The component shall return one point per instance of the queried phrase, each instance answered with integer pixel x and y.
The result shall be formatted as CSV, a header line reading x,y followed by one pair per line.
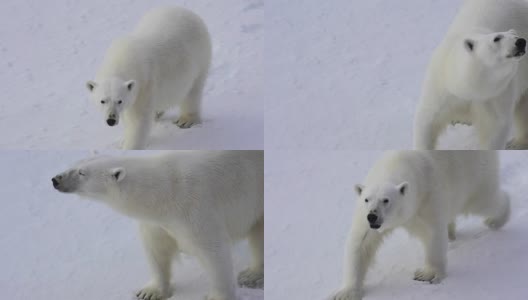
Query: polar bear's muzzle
x,y
64,183
520,48
112,119
374,221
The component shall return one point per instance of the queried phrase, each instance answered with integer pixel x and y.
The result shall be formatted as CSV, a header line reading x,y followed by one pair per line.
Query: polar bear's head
x,y
384,205
495,49
482,65
94,178
113,96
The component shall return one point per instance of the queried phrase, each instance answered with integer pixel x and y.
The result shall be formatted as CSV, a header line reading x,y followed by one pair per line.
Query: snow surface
x,y
50,49
58,246
310,196
348,74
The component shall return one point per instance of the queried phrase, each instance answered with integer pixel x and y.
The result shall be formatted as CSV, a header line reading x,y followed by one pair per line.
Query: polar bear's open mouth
x,y
375,226
517,53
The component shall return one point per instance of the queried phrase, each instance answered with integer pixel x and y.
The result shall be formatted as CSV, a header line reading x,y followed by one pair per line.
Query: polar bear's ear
x,y
359,188
130,85
469,45
402,187
117,174
91,85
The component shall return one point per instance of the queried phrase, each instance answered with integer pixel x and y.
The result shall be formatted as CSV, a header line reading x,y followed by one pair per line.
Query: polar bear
x,y
422,192
163,63
195,202
476,76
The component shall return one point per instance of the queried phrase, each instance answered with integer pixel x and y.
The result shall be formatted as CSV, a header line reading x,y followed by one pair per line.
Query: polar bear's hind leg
x,y
501,214
253,277
190,108
494,206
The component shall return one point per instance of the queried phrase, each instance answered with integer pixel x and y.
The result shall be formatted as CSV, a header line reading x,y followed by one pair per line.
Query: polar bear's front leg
x,y
137,129
493,122
425,136
435,242
493,130
427,127
520,142
361,247
160,248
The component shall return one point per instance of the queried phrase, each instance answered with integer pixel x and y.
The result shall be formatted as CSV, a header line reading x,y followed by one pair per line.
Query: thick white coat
x,y
196,202
437,187
483,92
167,58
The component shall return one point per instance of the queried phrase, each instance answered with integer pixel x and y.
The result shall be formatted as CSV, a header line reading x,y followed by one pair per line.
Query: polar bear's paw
x,y
493,223
429,275
517,145
251,278
151,292
347,294
187,120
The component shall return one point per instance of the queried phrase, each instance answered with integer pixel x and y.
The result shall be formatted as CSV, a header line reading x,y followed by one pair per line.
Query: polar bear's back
x,y
230,184
464,175
174,30
172,25
466,168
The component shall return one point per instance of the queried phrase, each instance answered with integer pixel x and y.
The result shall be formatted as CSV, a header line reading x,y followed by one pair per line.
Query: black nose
x,y
520,44
55,182
111,122
372,218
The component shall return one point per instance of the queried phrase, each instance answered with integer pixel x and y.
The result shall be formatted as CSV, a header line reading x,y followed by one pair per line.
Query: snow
x,y
49,50
58,246
349,73
310,197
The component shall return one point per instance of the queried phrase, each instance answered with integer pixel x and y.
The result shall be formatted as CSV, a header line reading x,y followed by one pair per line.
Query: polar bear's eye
x,y
120,101
385,201
497,39
366,200
81,173
103,102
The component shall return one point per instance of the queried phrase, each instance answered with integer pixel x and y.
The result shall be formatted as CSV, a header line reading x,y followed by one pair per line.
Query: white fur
x,y
480,87
163,63
437,186
196,202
